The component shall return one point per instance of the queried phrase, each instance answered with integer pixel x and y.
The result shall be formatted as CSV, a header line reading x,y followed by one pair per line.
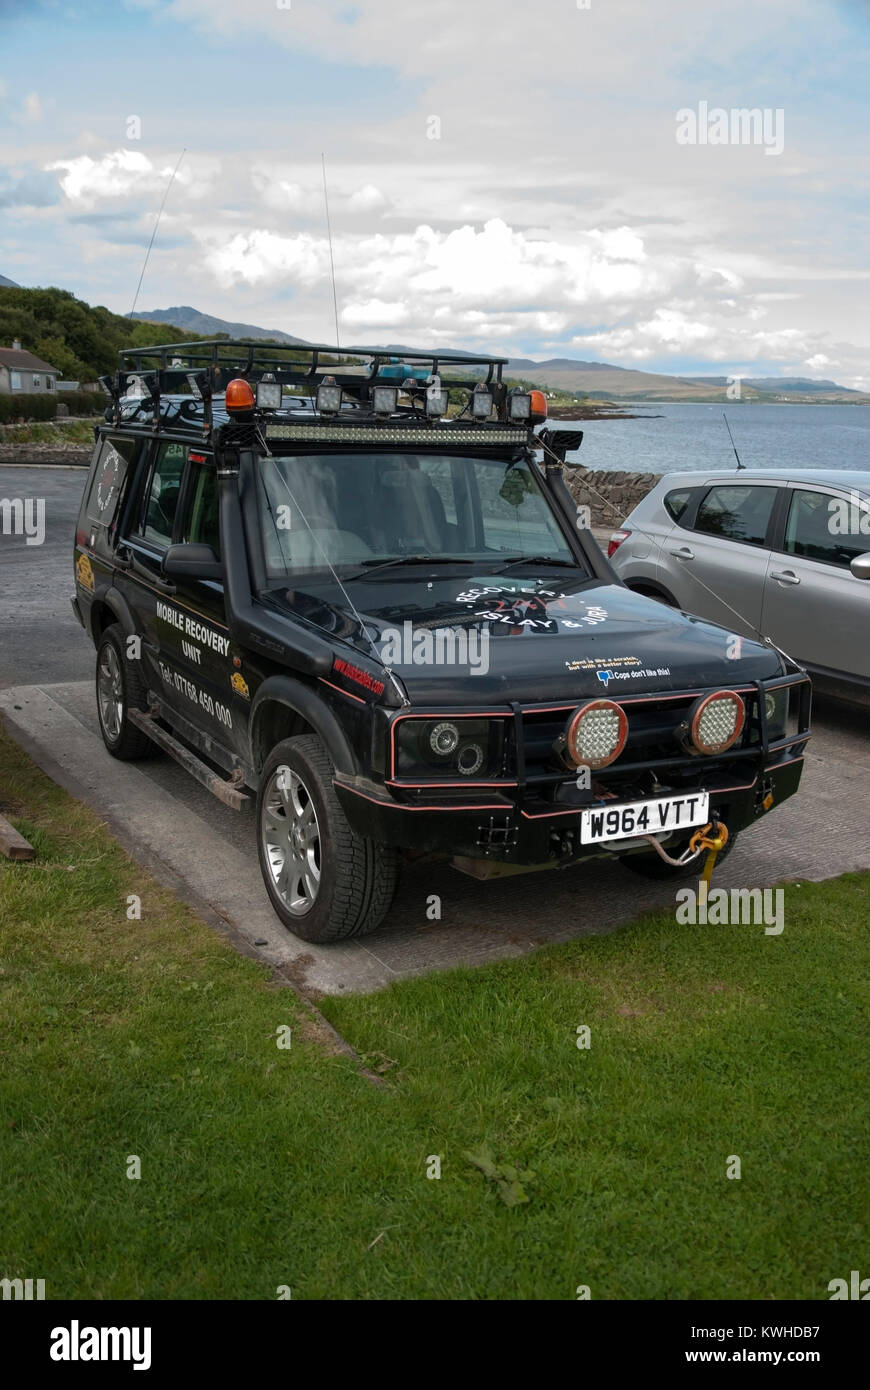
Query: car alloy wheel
x,y
291,839
110,692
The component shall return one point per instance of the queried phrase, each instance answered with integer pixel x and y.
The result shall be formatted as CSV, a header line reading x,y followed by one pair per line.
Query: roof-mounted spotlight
x,y
385,400
328,397
481,402
268,392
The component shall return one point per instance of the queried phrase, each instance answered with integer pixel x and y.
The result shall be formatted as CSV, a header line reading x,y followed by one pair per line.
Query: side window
x,y
677,502
160,502
737,513
106,483
832,530
201,523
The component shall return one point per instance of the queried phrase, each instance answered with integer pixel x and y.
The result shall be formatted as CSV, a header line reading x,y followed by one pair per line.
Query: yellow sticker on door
x,y
85,572
240,686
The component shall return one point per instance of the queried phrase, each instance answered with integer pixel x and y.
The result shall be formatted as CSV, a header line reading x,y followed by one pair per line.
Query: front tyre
x,y
325,881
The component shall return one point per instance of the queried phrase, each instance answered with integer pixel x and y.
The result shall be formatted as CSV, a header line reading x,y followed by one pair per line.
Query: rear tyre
x,y
120,688
326,882
652,866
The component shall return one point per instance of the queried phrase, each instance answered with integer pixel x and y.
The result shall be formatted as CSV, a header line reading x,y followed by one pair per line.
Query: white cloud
x,y
121,173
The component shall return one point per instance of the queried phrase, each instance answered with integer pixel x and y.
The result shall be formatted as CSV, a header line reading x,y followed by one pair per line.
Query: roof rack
x,y
194,374
224,358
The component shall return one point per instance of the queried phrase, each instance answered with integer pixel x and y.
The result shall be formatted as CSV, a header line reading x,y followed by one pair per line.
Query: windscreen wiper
x,y
537,560
372,566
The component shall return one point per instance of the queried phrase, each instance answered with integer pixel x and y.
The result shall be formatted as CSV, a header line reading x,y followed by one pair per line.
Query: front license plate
x,y
643,817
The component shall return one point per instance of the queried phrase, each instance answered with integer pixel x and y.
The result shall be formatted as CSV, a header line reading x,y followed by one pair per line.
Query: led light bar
x,y
382,434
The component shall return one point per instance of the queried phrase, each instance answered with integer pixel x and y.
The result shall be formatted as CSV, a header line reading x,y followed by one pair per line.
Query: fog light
x,y
436,402
444,739
596,734
716,722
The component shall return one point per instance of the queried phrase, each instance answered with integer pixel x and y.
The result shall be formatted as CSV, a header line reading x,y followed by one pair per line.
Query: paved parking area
x,y
207,852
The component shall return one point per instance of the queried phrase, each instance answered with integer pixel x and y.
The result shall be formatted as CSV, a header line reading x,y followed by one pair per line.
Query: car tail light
x,y
616,541
596,734
716,722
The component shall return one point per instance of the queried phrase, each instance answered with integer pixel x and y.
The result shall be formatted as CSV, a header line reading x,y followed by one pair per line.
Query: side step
x,y
224,791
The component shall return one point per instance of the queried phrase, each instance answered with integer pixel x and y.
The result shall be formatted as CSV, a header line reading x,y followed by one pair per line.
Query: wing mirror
x,y
193,561
860,566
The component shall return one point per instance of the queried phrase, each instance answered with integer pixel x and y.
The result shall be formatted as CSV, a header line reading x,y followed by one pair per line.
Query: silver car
x,y
781,553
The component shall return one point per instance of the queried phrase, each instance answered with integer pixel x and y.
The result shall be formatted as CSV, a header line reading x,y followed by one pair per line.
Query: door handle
x,y
684,553
785,576
123,557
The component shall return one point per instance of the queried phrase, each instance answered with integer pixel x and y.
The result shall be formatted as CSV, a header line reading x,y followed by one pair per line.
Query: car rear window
x,y
737,512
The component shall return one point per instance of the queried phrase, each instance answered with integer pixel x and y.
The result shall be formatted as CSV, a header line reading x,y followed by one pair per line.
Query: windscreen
x,y
338,510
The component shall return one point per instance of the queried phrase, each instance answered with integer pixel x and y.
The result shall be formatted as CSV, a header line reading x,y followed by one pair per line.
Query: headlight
x,y
430,750
444,739
596,734
776,712
716,722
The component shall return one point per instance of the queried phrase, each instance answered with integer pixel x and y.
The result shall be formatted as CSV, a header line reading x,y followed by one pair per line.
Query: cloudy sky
x,y
521,177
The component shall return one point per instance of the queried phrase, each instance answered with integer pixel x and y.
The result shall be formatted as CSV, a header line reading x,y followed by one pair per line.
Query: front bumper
x,y
533,820
499,830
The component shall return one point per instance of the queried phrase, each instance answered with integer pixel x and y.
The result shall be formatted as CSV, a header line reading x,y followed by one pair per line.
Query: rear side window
x,y
677,502
737,513
162,492
107,481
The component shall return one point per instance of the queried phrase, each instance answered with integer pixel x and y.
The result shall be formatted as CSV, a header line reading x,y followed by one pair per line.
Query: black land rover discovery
x,y
383,617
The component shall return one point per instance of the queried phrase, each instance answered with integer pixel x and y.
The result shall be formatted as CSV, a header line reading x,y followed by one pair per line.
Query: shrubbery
x,y
42,405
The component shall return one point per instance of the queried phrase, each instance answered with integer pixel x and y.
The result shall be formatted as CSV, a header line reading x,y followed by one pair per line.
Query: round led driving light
x,y
596,734
444,739
716,722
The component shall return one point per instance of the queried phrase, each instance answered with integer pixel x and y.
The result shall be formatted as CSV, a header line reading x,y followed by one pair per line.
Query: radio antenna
x,y
331,260
154,233
731,437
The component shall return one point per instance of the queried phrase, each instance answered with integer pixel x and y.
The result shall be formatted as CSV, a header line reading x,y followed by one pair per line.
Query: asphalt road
x,y
207,852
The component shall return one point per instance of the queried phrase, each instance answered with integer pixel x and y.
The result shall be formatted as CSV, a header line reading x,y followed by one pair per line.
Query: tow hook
x,y
703,840
700,841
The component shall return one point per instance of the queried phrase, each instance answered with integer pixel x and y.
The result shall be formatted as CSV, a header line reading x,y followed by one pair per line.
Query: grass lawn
x,y
263,1167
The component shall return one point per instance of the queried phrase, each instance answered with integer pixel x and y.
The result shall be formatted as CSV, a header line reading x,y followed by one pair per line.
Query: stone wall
x,y
79,454
610,496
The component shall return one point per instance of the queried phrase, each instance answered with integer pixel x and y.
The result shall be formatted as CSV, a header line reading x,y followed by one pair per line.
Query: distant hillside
x,y
603,380
10,284
791,384
207,326
81,341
